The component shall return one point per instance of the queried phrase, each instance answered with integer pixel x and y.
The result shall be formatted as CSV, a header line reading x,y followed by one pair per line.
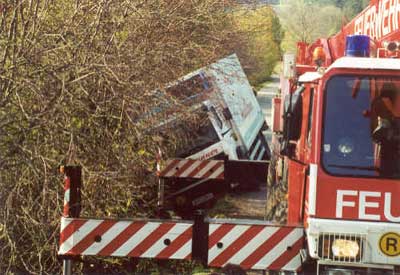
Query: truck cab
x,y
342,160
227,120
234,113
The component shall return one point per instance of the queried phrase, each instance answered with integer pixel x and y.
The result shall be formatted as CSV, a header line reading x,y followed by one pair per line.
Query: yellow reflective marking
x,y
389,244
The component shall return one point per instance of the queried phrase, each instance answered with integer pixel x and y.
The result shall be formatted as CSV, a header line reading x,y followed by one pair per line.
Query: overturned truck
x,y
229,126
232,120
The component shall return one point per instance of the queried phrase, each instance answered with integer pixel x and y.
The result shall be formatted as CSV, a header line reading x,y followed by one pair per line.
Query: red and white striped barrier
x,y
67,187
158,161
197,169
141,239
261,247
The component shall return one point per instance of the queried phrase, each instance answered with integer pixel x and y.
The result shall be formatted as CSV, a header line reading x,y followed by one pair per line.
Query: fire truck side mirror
x,y
289,65
292,119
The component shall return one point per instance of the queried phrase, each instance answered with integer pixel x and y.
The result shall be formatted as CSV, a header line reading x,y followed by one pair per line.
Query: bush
x,y
261,50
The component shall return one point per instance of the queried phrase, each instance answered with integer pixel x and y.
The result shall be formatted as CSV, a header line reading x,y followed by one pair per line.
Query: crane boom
x,y
380,21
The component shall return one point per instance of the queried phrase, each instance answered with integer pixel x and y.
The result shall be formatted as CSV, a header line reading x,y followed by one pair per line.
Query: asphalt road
x,y
265,96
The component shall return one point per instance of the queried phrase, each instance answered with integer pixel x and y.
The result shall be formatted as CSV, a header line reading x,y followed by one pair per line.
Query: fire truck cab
x,y
339,143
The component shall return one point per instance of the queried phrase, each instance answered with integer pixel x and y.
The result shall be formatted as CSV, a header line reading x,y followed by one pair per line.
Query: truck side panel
x,y
239,98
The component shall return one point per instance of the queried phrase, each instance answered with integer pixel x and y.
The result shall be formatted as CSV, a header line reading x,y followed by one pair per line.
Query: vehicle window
x,y
189,90
293,114
353,144
200,136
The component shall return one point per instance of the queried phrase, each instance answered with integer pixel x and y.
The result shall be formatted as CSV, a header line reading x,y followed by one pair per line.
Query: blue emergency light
x,y
357,46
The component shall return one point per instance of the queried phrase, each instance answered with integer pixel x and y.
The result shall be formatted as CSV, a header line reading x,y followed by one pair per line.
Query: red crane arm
x,y
380,20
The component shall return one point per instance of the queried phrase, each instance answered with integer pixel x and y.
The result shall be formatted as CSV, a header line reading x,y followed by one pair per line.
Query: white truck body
x,y
233,111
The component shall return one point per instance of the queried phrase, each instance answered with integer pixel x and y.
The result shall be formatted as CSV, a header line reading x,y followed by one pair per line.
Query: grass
x,y
240,206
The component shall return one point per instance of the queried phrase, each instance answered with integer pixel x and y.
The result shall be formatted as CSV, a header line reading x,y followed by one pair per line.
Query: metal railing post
x,y
200,238
67,267
72,201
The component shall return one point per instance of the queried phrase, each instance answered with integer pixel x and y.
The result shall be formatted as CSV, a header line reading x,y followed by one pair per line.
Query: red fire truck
x,y
336,146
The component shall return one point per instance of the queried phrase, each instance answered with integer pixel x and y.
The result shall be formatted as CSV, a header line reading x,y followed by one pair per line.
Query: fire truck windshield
x,y
361,132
